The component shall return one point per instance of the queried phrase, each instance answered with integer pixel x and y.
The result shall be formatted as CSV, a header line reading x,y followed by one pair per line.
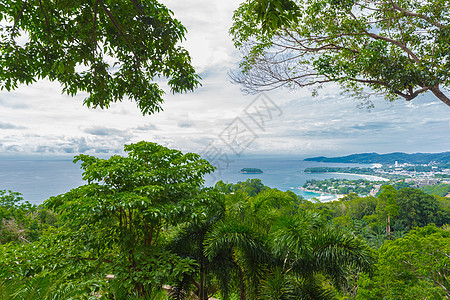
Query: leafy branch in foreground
x,y
399,49
110,49
117,223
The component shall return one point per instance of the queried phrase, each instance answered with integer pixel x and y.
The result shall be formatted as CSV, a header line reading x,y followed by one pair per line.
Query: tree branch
x,y
16,20
46,21
413,14
440,95
116,25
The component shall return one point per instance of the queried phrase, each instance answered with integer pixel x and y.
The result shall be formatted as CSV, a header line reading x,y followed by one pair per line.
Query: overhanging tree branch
x,y
361,44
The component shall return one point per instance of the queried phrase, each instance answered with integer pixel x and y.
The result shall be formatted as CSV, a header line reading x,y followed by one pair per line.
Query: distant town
x,y
432,177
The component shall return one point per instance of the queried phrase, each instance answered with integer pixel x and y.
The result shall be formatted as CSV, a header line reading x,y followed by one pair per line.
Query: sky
x,y
218,118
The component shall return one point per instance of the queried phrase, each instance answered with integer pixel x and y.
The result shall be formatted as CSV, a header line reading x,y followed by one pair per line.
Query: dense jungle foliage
x,y
144,227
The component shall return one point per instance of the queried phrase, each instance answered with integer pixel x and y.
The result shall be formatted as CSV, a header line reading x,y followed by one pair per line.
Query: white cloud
x,y
38,119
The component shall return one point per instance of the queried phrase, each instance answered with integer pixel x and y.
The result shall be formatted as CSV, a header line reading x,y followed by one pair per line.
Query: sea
x,y
39,179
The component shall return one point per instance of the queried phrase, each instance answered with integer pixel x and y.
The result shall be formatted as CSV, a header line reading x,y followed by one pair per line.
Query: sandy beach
x,y
368,177
324,197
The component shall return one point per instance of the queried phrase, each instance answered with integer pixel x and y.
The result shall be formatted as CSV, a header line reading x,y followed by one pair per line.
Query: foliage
x,y
108,48
419,209
117,222
396,48
387,206
280,251
188,241
146,219
413,267
438,189
20,221
251,187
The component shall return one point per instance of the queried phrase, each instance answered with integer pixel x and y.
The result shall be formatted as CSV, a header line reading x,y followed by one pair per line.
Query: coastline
x,y
326,197
368,177
323,196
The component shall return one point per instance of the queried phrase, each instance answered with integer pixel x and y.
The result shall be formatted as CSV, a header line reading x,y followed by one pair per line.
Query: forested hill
x,y
389,158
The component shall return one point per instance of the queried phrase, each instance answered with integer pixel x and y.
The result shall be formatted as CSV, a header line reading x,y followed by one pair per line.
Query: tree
x,y
396,48
110,49
387,206
188,241
21,221
117,222
281,253
418,209
413,267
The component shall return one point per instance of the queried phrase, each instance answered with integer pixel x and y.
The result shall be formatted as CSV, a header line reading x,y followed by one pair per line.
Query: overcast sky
x,y
217,117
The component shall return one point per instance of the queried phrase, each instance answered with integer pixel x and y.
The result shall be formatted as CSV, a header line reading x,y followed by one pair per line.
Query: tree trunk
x,y
202,294
440,95
242,295
388,227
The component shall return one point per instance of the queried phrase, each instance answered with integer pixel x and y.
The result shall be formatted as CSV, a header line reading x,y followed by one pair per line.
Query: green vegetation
x,y
116,224
413,267
343,186
108,49
251,170
438,190
146,219
21,221
356,45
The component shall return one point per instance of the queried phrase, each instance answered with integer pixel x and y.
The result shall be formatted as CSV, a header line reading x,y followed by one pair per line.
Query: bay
x,y
39,179
283,173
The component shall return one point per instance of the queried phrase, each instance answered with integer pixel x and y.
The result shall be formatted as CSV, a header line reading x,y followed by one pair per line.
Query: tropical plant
x,y
117,222
387,206
413,267
283,252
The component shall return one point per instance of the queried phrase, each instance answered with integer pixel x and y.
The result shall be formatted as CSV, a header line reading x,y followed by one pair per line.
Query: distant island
x,y
251,171
387,159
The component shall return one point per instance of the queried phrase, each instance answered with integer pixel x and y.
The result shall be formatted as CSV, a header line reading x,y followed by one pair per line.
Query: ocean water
x,y
283,173
39,179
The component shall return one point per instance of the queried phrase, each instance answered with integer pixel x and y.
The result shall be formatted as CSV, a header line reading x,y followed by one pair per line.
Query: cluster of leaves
x,y
108,48
262,247
396,48
117,224
21,221
413,267
391,215
438,189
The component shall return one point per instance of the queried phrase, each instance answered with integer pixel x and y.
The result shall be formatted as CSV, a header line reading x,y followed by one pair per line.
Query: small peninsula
x,y
251,171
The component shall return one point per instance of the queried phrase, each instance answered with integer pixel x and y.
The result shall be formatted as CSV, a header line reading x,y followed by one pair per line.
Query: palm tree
x,y
243,233
289,255
188,242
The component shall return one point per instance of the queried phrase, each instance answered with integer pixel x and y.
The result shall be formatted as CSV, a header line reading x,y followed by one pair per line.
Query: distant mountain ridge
x,y
387,159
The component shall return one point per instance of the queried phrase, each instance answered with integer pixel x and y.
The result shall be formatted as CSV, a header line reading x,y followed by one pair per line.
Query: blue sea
x,y
39,179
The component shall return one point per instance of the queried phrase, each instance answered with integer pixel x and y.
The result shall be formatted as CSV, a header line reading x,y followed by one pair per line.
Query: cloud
x,y
371,126
38,119
104,131
146,127
5,125
13,102
186,124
